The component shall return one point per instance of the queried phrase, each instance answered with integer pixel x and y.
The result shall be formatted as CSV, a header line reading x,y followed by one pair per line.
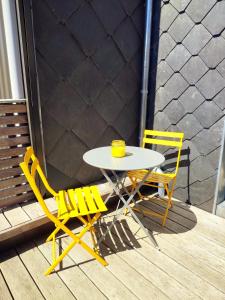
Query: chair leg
x,y
93,253
92,231
134,184
169,202
76,239
56,230
83,244
166,214
172,189
60,258
53,249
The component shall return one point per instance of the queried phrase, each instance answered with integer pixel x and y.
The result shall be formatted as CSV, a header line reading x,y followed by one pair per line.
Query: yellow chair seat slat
x,y
62,207
79,202
98,199
89,200
73,201
82,206
153,177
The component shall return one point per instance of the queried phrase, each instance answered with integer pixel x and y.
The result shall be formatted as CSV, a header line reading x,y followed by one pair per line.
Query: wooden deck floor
x,y
190,265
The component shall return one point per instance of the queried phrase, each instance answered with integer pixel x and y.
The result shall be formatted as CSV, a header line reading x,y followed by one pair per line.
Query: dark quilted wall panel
x,y
190,89
89,56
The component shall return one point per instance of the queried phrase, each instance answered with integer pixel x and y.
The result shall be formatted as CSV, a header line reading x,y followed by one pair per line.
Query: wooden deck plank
x,y
212,228
4,291
15,215
213,219
71,274
110,286
4,224
18,279
184,275
198,249
131,278
52,287
191,264
186,259
180,215
160,279
207,206
32,209
33,222
199,227
51,204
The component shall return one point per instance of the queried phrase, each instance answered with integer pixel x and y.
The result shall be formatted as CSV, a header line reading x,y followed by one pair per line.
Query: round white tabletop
x,y
136,158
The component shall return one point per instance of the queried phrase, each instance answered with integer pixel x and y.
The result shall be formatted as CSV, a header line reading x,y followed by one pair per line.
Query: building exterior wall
x,y
190,89
89,57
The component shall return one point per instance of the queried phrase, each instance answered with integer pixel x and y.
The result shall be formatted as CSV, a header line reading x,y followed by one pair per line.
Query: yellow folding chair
x,y
74,203
167,180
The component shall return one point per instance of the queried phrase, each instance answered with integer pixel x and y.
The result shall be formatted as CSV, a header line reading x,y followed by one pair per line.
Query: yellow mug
x,y
118,148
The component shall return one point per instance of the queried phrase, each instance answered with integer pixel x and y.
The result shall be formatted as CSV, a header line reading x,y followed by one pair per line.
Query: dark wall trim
x,y
27,35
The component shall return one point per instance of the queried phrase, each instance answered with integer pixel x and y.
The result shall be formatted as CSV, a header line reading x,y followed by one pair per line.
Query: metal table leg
x,y
126,203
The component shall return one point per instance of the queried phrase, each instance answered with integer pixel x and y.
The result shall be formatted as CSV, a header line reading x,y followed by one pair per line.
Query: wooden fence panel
x,y
14,138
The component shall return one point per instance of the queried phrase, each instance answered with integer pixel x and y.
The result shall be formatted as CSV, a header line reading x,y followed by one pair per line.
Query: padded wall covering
x,y
89,57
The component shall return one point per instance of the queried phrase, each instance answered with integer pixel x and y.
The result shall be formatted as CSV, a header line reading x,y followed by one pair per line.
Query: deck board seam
x,y
15,249
136,269
169,229
202,278
55,272
77,266
8,288
121,281
157,268
199,233
36,244
183,266
30,274
108,271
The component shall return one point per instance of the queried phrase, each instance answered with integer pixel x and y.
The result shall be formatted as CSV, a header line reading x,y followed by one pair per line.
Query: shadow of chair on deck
x,y
124,235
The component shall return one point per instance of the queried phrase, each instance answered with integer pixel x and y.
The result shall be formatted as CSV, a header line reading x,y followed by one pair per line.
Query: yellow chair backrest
x,y
165,138
31,167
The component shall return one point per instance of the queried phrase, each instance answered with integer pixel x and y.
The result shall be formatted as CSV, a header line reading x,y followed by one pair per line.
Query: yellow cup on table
x,y
118,148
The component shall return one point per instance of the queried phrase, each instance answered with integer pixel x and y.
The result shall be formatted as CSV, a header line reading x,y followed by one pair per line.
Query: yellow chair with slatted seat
x,y
84,204
172,140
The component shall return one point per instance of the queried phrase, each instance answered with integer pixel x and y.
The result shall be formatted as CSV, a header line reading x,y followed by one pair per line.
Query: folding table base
x,y
117,188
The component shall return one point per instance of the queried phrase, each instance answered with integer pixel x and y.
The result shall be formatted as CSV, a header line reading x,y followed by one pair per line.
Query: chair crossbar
x,y
164,133
163,142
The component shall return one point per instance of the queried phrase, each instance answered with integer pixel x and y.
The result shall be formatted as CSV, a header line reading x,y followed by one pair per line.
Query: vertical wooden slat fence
x,y
14,138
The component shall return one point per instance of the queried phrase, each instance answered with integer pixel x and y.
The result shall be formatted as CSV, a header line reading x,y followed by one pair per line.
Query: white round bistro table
x,y
136,158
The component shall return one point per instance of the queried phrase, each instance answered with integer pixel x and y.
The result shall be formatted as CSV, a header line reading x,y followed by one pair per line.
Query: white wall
x,y
11,80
